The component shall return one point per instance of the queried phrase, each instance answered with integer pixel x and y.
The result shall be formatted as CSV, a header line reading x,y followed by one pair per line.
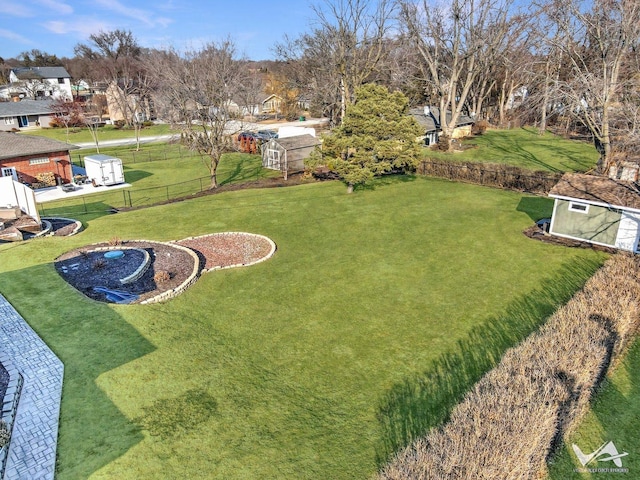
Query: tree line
x,y
571,65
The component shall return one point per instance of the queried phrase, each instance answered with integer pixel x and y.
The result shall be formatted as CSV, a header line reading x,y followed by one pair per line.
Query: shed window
x,y
579,207
38,161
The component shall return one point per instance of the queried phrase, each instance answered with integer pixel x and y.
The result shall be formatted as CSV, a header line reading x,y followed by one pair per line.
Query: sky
x,y
56,26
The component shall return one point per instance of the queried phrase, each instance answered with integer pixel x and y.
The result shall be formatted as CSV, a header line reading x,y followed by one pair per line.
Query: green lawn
x,y
291,369
108,132
615,417
523,147
158,172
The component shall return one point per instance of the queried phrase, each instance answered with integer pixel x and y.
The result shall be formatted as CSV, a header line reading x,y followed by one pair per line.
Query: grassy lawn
x,y
157,173
523,147
287,369
108,132
615,417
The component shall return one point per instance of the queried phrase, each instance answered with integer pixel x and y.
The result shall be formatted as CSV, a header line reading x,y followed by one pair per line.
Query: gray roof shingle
x,y
592,188
17,145
25,107
31,73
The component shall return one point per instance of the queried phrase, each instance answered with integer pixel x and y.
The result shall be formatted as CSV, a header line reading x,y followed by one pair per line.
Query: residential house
x,y
288,154
599,210
137,103
272,104
38,82
429,119
23,157
19,115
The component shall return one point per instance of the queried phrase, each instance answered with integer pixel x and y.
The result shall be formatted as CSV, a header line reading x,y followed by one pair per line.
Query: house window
x,y
61,80
578,207
9,121
38,161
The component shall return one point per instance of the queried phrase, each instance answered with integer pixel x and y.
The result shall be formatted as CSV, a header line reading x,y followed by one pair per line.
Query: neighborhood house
x,y
23,114
429,119
598,210
25,157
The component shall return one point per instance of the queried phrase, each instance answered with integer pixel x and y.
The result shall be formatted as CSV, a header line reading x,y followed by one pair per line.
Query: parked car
x,y
267,134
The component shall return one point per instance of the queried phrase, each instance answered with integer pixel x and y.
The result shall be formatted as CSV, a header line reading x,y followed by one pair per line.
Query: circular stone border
x,y
262,259
77,228
144,266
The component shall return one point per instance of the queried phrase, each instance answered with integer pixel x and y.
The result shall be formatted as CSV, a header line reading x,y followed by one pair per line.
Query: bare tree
x,y
195,92
455,44
115,59
345,49
598,38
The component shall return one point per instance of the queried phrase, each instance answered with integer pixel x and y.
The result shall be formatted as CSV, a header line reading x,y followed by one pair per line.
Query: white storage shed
x,y
104,169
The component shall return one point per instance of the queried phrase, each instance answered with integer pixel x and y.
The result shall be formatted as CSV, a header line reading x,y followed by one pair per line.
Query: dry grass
x,y
510,423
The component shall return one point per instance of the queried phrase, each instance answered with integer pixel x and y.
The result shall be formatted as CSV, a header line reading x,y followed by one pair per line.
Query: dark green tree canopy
x,y
377,136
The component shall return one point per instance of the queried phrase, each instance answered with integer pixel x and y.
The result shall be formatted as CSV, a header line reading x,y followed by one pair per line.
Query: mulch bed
x,y
537,233
86,267
61,227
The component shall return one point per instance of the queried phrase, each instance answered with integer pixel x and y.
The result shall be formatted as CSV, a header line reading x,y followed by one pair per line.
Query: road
x,y
232,128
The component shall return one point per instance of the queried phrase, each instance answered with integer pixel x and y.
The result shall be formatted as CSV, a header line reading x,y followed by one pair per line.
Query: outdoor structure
x,y
429,119
104,169
23,157
18,210
38,82
288,154
598,210
19,115
137,104
271,104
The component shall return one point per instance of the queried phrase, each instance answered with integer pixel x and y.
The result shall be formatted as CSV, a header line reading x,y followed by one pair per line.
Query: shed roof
x,y
298,141
18,145
25,107
595,189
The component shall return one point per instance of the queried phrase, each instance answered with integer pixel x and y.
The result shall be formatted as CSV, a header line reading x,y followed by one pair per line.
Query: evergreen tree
x,y
377,136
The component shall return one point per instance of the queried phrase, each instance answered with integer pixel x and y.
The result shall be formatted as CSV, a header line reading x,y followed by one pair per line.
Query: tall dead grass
x,y
510,423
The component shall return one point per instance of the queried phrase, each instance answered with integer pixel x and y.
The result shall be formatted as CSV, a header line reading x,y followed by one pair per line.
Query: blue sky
x,y
56,26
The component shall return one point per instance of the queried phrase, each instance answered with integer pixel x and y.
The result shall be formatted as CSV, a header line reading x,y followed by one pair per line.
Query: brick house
x,y
24,156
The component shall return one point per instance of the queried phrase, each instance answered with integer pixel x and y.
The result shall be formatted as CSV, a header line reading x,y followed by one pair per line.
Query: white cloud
x,y
57,6
14,9
82,27
8,34
115,6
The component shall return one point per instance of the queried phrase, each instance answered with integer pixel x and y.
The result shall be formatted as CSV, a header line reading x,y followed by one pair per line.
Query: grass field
x,y
157,173
108,132
523,147
294,368
615,417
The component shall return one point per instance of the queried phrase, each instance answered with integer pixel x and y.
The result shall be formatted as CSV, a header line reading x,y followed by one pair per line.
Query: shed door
x,y
628,232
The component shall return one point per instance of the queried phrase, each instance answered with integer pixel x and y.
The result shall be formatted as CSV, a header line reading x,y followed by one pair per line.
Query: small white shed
x,y
104,169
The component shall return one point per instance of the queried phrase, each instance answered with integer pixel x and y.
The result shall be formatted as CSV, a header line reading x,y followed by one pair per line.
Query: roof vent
x,y
427,110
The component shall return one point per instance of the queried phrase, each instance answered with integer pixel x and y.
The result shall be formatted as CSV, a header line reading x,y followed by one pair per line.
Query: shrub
x,y
115,241
99,264
161,276
510,423
480,127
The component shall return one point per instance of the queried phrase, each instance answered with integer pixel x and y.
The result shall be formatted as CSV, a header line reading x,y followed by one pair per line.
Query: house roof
x,y
298,141
36,73
17,145
25,107
431,121
599,190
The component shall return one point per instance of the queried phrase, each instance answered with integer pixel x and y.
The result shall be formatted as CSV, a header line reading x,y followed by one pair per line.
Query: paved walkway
x,y
32,451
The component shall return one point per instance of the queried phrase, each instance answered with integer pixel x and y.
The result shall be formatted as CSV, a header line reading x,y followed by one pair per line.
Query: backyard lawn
x,y
291,369
523,147
108,132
